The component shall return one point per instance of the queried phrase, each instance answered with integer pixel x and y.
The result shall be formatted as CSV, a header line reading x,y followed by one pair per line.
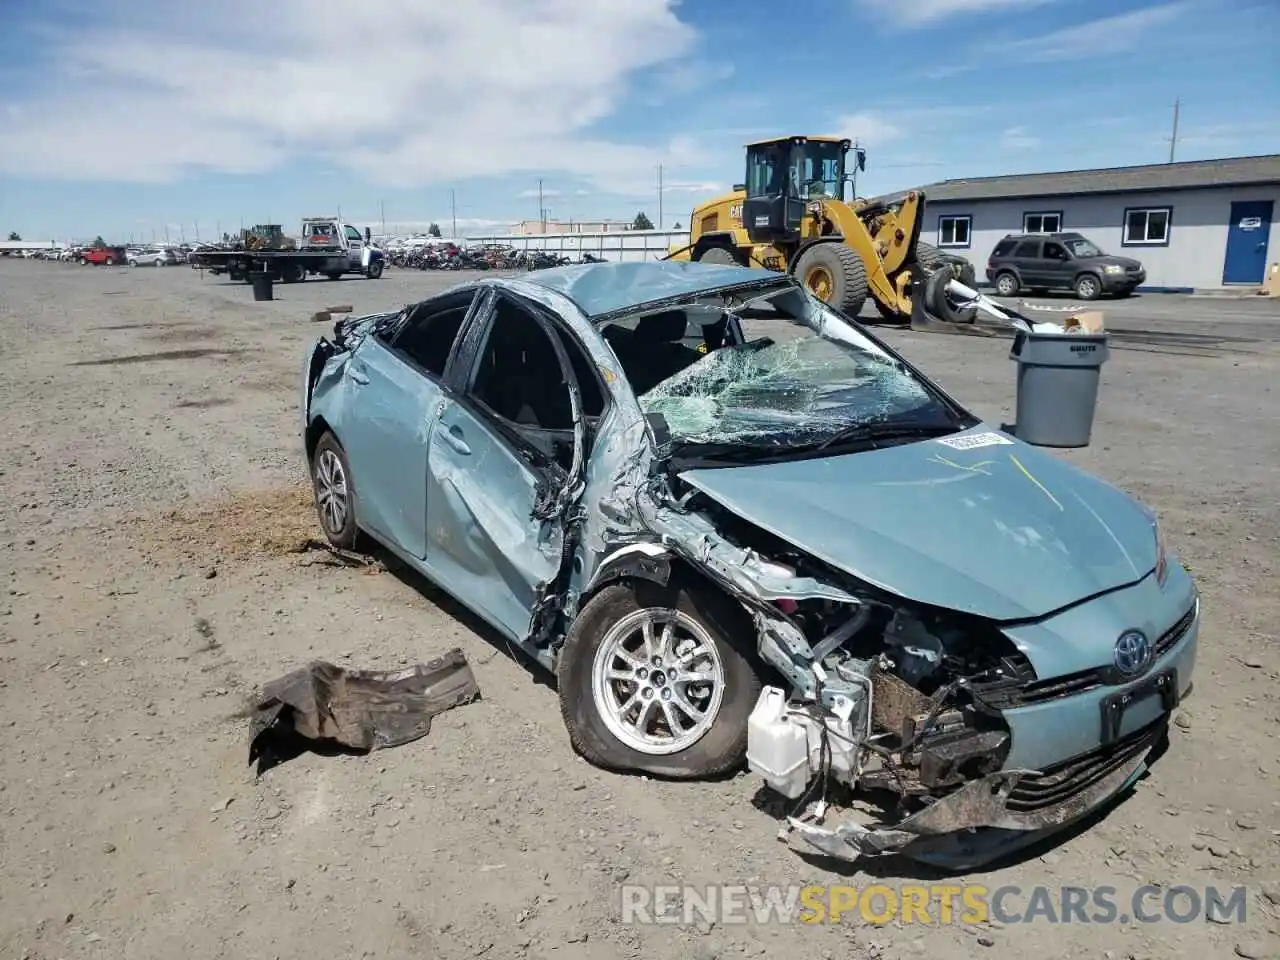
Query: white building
x,y
1195,225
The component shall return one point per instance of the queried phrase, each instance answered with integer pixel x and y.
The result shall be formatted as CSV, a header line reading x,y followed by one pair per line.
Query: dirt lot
x,y
153,576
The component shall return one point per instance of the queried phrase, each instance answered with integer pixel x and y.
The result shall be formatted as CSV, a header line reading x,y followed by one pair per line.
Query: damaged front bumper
x,y
991,815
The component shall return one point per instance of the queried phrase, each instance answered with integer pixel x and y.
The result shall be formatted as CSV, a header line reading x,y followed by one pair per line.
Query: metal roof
x,y
1233,171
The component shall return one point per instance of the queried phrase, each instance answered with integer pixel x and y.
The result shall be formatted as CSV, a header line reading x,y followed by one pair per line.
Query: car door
x,y
1027,258
355,246
1056,265
504,451
395,380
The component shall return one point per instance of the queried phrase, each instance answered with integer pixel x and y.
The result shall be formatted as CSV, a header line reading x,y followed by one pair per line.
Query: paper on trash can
x,y
1088,321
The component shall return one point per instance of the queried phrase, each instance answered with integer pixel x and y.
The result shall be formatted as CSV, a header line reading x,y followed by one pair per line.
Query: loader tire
x,y
833,273
720,255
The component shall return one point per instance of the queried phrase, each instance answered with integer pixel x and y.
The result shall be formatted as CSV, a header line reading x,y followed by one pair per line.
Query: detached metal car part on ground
x,y
737,525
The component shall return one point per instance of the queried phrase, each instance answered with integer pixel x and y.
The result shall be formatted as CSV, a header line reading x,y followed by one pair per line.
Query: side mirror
x,y
739,188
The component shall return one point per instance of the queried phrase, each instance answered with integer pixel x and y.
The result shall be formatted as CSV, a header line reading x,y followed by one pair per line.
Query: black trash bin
x,y
1058,376
261,280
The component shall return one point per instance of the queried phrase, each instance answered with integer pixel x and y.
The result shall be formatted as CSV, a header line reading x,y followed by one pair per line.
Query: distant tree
x,y
14,237
677,226
642,222
434,230
99,243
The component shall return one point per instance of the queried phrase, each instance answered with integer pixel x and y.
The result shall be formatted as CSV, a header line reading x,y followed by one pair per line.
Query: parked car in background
x,y
1061,261
104,256
672,483
153,257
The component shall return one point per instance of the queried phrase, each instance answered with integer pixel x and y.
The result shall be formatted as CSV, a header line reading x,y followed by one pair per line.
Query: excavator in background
x,y
791,215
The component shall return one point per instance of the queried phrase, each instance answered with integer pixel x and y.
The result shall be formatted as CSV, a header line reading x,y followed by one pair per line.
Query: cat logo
x,y
702,347
735,212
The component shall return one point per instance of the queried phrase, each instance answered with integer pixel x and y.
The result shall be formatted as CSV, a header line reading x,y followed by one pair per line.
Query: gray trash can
x,y
261,281
1058,377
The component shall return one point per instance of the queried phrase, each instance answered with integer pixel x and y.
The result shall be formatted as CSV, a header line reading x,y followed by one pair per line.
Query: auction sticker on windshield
x,y
974,440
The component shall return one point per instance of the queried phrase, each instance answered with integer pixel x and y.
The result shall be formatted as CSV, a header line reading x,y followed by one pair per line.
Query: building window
x,y
1042,222
954,231
1147,226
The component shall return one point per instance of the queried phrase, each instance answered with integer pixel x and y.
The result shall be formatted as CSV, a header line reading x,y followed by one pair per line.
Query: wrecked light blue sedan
x,y
738,526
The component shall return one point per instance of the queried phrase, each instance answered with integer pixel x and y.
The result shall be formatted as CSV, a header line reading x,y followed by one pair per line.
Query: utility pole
x,y
197,231
339,214
542,211
1173,140
659,224
453,212
382,215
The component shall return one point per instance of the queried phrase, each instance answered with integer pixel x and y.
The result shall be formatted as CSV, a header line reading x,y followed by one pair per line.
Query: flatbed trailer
x,y
328,249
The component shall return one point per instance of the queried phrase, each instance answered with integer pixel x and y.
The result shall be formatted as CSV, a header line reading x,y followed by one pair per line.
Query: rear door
x,y
395,381
504,450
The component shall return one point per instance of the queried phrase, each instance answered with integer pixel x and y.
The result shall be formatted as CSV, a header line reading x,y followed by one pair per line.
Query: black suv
x,y
1060,261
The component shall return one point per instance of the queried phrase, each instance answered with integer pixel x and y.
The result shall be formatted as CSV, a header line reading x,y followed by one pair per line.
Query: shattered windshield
x,y
1084,248
777,374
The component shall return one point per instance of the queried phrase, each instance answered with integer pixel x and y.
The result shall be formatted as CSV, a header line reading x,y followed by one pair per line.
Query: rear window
x,y
1003,247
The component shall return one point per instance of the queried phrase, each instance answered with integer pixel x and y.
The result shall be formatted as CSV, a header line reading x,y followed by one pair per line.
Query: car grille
x,y
1028,690
1064,780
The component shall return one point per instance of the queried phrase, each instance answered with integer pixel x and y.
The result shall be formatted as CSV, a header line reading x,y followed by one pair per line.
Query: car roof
x,y
1065,235
600,289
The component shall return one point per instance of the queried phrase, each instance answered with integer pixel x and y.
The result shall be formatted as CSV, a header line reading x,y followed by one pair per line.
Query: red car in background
x,y
107,256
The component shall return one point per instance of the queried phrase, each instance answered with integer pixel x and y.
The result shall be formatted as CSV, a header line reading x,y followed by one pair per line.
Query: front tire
x,y
375,269
1088,287
650,681
833,273
335,494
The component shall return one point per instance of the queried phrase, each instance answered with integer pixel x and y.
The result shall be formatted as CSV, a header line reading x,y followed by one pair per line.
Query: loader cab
x,y
782,175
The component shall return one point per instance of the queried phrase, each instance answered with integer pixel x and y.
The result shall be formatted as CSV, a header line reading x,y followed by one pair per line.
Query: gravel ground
x,y
156,571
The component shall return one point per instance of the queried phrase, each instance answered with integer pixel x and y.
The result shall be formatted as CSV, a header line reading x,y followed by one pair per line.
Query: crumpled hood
x,y
976,521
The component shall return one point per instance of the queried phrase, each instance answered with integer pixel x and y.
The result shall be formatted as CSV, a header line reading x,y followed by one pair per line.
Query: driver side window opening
x,y
517,381
426,336
354,235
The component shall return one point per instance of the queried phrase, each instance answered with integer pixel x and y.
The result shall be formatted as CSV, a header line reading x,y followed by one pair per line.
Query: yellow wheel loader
x,y
790,215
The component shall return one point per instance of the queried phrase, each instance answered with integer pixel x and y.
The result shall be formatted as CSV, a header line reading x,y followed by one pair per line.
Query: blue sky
x,y
183,115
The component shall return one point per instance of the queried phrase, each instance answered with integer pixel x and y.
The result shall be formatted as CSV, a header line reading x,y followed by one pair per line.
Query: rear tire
x,y
333,275
833,273
928,256
1007,285
294,273
594,678
720,255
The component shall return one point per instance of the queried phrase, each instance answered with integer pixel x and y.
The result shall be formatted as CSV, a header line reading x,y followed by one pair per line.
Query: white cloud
x,y
869,129
407,93
1095,38
1017,138
920,13
546,194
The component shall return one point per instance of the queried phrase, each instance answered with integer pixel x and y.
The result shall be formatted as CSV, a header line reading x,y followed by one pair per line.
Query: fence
x,y
628,245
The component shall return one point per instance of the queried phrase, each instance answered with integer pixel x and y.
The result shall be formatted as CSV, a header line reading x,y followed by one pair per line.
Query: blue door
x,y
1247,242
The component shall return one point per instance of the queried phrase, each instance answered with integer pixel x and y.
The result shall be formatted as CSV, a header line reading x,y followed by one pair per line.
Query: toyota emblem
x,y
1133,653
